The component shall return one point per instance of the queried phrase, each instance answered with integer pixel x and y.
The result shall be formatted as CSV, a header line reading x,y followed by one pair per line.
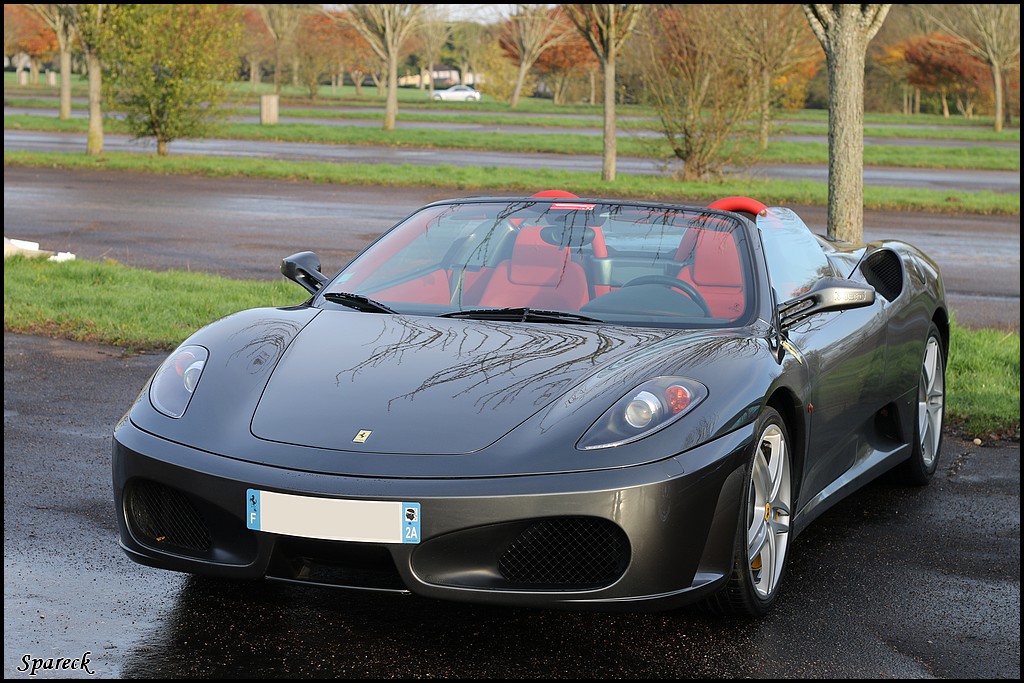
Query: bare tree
x,y
526,34
283,23
775,40
989,32
606,28
844,32
58,18
434,35
468,40
386,28
699,90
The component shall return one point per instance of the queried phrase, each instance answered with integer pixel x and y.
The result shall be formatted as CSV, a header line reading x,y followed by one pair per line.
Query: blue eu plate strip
x,y
252,509
410,522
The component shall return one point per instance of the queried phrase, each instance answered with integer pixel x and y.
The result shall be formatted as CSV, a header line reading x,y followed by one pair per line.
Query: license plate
x,y
332,519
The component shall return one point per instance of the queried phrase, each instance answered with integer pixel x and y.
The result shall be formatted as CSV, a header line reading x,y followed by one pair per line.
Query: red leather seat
x,y
539,275
716,272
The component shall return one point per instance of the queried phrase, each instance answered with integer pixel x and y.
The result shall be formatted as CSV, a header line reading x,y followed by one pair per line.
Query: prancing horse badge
x,y
362,436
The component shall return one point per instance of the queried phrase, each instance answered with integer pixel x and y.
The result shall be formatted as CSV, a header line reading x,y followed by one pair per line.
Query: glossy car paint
x,y
483,448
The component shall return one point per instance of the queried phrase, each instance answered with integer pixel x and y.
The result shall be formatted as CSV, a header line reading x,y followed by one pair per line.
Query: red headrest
x,y
534,261
716,260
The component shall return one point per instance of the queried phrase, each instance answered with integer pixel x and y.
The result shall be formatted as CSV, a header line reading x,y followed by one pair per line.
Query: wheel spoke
x,y
769,571
762,478
779,521
776,463
757,537
931,358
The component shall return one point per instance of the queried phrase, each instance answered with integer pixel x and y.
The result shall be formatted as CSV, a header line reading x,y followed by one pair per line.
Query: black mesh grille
x,y
883,272
572,551
161,516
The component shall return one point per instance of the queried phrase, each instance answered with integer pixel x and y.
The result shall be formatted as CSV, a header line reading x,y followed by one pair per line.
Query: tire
x,y
763,529
929,414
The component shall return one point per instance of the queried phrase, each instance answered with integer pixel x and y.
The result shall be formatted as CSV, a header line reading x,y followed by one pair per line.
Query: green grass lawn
x,y
330,111
784,152
107,303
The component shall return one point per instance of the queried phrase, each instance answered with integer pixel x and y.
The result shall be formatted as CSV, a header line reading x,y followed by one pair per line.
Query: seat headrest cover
x,y
534,261
716,260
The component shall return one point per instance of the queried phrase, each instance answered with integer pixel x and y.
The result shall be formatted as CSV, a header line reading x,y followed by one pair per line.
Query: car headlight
x,y
176,380
650,407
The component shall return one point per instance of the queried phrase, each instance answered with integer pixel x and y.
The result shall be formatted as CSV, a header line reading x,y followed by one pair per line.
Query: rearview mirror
x,y
304,268
828,294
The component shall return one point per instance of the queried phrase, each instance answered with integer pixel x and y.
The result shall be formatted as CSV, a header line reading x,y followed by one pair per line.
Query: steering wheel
x,y
682,285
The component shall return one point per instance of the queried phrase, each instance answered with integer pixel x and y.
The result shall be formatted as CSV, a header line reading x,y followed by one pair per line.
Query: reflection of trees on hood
x,y
266,340
539,356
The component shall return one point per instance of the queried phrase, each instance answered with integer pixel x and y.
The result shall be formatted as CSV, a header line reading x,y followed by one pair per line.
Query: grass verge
x,y
977,157
501,180
135,309
983,383
328,112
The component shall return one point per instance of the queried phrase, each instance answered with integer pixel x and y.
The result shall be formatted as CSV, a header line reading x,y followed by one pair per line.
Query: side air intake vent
x,y
884,272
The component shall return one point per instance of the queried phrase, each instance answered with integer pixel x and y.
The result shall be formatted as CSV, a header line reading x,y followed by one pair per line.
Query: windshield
x,y
618,263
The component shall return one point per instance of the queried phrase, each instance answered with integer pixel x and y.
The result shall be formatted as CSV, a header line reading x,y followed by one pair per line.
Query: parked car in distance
x,y
457,93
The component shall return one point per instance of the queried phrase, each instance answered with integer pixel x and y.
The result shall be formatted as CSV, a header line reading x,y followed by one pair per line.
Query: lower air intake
x,y
570,552
160,516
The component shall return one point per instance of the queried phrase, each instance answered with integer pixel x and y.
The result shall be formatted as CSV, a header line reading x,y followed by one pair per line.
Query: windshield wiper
x,y
358,302
522,314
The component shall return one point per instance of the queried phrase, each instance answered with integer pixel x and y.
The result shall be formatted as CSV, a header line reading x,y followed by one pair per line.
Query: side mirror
x,y
828,294
304,268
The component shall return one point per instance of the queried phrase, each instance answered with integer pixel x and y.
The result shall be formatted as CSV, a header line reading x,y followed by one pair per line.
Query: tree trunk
x,y
608,165
765,109
593,87
945,104
917,101
161,148
33,70
65,82
94,140
391,107
846,136
278,60
520,79
997,89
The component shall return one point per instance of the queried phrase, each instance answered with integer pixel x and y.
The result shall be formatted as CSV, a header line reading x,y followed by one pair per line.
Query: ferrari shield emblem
x,y
362,436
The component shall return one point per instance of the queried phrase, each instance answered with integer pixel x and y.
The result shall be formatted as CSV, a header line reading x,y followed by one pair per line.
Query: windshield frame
x,y
744,231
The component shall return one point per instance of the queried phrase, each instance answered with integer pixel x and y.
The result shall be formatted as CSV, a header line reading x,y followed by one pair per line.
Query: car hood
x,y
422,385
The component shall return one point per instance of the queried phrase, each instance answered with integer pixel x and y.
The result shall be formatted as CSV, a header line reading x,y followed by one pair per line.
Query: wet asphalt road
x,y
891,583
242,228
936,179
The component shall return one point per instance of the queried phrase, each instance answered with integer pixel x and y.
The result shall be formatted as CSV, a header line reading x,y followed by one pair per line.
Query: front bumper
x,y
646,537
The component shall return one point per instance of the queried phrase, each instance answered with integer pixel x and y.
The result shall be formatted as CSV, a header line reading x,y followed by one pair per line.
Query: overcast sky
x,y
482,13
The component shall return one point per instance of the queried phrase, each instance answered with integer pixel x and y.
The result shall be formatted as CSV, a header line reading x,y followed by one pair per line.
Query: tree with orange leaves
x,y
26,33
256,44
566,62
319,44
942,64
526,35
